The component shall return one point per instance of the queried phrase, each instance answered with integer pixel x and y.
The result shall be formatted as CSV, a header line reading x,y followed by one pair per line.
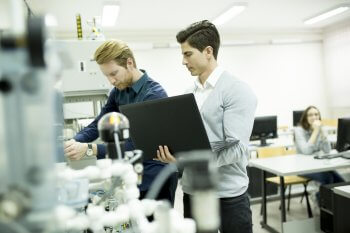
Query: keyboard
x,y
344,154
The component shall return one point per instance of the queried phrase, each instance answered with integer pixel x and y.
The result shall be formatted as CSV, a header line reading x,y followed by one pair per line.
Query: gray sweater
x,y
228,116
302,137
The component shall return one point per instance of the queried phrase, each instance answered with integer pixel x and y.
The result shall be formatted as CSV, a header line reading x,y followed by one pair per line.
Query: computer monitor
x,y
264,127
343,137
296,117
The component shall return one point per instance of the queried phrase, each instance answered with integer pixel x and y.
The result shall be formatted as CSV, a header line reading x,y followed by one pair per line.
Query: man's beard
x,y
125,84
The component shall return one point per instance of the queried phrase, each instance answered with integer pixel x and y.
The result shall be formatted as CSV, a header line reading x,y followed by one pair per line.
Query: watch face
x,y
89,152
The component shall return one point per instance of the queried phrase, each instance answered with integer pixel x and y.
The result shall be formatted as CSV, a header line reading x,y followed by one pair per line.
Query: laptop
x,y
172,121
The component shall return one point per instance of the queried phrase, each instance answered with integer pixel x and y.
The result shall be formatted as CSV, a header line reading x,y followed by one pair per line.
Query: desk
x,y
291,165
343,191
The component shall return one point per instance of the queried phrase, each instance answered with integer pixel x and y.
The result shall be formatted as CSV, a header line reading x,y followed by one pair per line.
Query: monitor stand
x,y
263,142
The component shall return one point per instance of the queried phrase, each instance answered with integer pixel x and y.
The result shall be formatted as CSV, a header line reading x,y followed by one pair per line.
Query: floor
x,y
297,211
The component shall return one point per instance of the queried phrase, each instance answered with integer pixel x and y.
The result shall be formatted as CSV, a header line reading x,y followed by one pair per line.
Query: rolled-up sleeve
x,y
239,105
325,145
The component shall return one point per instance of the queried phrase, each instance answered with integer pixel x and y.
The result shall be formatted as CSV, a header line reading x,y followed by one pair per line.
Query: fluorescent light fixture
x,y
327,15
110,14
140,45
229,14
238,42
286,41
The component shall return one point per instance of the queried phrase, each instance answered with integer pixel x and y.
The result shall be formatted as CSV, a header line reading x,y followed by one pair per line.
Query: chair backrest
x,y
265,152
330,122
283,127
290,151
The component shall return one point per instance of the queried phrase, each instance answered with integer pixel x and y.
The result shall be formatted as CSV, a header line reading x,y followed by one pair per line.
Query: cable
x,y
160,180
30,12
117,146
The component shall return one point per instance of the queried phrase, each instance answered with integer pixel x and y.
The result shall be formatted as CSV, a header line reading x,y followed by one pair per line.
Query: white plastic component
x,y
126,195
149,206
95,211
130,178
117,168
129,154
208,220
105,168
187,225
132,193
121,215
104,163
80,222
63,213
92,172
126,133
74,192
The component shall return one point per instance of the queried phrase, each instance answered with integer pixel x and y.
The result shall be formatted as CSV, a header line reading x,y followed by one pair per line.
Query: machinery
x,y
27,194
38,194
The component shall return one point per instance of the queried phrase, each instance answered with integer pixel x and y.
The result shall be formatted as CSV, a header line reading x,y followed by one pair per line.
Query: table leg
x,y
283,204
264,209
307,201
263,193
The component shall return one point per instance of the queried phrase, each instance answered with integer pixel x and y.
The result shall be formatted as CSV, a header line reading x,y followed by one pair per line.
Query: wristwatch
x,y
89,151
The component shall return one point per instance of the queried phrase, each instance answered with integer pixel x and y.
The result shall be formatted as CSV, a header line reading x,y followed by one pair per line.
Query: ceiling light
x,y
229,14
327,15
140,46
110,14
286,41
238,42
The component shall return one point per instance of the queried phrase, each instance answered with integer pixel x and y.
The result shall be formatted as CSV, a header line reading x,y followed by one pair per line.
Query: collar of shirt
x,y
136,87
212,79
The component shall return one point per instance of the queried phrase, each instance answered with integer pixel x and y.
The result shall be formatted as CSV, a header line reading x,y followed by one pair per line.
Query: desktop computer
x,y
264,127
343,135
343,141
327,206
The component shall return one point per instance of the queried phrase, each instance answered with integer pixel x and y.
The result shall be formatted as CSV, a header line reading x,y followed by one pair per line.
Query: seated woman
x,y
310,139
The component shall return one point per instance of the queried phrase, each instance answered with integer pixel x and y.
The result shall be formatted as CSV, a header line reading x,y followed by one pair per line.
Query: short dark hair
x,y
199,35
303,119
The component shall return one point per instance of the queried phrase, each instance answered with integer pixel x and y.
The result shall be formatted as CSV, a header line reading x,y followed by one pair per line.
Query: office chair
x,y
330,122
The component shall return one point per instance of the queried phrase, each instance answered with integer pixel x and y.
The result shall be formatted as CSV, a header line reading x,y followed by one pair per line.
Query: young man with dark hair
x,y
227,106
131,85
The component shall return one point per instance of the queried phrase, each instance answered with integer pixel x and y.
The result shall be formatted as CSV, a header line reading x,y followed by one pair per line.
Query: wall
x,y
284,77
337,68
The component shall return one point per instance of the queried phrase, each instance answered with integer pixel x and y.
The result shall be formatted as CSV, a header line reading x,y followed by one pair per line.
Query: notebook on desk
x,y
173,121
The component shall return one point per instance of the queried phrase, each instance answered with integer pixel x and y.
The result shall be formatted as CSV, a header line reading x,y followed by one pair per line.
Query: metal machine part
x,y
203,178
114,130
27,197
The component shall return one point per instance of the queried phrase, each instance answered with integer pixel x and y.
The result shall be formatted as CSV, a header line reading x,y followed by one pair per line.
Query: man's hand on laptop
x,y
75,150
164,155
